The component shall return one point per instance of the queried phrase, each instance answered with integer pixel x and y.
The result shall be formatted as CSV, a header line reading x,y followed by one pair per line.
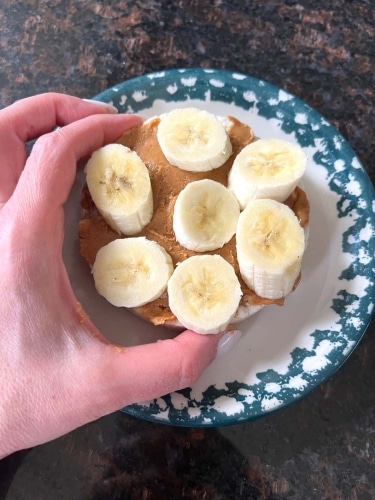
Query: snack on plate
x,y
190,221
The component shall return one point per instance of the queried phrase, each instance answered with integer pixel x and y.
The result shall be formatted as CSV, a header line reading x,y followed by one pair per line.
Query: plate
x,y
284,352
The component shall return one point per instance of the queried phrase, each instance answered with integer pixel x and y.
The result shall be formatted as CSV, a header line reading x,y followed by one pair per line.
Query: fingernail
x,y
227,342
109,107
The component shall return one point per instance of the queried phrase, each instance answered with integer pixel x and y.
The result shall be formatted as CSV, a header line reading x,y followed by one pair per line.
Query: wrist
x,y
6,447
9,423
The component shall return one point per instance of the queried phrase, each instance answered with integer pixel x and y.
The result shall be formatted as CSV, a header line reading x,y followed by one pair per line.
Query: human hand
x,y
57,371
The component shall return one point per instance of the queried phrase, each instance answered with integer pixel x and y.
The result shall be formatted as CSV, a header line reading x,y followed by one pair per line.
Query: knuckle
x,y
53,143
189,372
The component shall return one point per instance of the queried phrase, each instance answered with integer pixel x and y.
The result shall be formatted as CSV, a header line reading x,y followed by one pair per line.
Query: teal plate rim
x,y
345,177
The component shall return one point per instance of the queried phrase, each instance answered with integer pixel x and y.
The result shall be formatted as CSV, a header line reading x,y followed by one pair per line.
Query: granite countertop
x,y
322,447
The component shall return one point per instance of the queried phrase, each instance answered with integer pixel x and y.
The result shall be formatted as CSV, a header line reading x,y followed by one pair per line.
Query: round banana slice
x,y
267,168
131,272
120,186
205,216
270,246
193,140
204,293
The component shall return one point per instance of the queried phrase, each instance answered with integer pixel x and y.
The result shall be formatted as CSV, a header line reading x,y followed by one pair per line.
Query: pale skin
x,y
57,371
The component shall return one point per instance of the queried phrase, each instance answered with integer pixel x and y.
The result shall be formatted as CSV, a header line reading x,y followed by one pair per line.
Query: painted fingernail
x,y
227,342
109,107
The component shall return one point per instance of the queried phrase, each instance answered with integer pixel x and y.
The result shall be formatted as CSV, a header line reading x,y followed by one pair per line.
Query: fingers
x,y
122,376
51,168
31,117
28,119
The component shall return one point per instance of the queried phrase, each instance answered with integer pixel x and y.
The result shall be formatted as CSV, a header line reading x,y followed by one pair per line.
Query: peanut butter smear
x,y
167,181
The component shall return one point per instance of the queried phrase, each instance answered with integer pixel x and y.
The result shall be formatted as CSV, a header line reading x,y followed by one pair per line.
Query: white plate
x,y
286,351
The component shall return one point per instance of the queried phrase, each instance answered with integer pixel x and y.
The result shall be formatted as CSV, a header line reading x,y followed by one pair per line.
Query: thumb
x,y
127,375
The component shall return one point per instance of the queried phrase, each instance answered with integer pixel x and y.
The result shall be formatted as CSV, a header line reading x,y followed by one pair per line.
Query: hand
x,y
57,371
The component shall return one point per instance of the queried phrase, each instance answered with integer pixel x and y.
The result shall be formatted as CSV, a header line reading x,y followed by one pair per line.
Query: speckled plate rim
x,y
318,349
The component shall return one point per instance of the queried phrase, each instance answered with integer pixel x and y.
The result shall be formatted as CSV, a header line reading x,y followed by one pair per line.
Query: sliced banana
x,y
204,293
131,272
270,246
193,139
205,215
119,184
267,168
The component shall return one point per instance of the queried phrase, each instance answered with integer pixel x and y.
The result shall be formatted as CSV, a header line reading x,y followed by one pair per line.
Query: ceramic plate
x,y
286,351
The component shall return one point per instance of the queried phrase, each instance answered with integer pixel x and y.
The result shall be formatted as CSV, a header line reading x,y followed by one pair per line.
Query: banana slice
x,y
131,272
205,215
204,293
119,184
193,140
267,168
270,246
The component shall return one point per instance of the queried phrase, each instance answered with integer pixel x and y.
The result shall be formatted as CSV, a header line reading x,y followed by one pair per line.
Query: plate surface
x,y
286,351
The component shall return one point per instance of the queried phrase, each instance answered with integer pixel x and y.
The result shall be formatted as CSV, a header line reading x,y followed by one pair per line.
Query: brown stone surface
x,y
322,447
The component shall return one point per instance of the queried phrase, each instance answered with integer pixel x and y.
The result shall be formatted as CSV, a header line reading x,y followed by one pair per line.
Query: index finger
x,y
29,118
48,176
33,116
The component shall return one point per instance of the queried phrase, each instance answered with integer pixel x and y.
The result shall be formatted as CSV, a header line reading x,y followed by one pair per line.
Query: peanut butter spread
x,y
167,181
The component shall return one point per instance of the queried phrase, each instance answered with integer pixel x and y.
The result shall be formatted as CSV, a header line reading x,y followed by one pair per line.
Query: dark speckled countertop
x,y
322,447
